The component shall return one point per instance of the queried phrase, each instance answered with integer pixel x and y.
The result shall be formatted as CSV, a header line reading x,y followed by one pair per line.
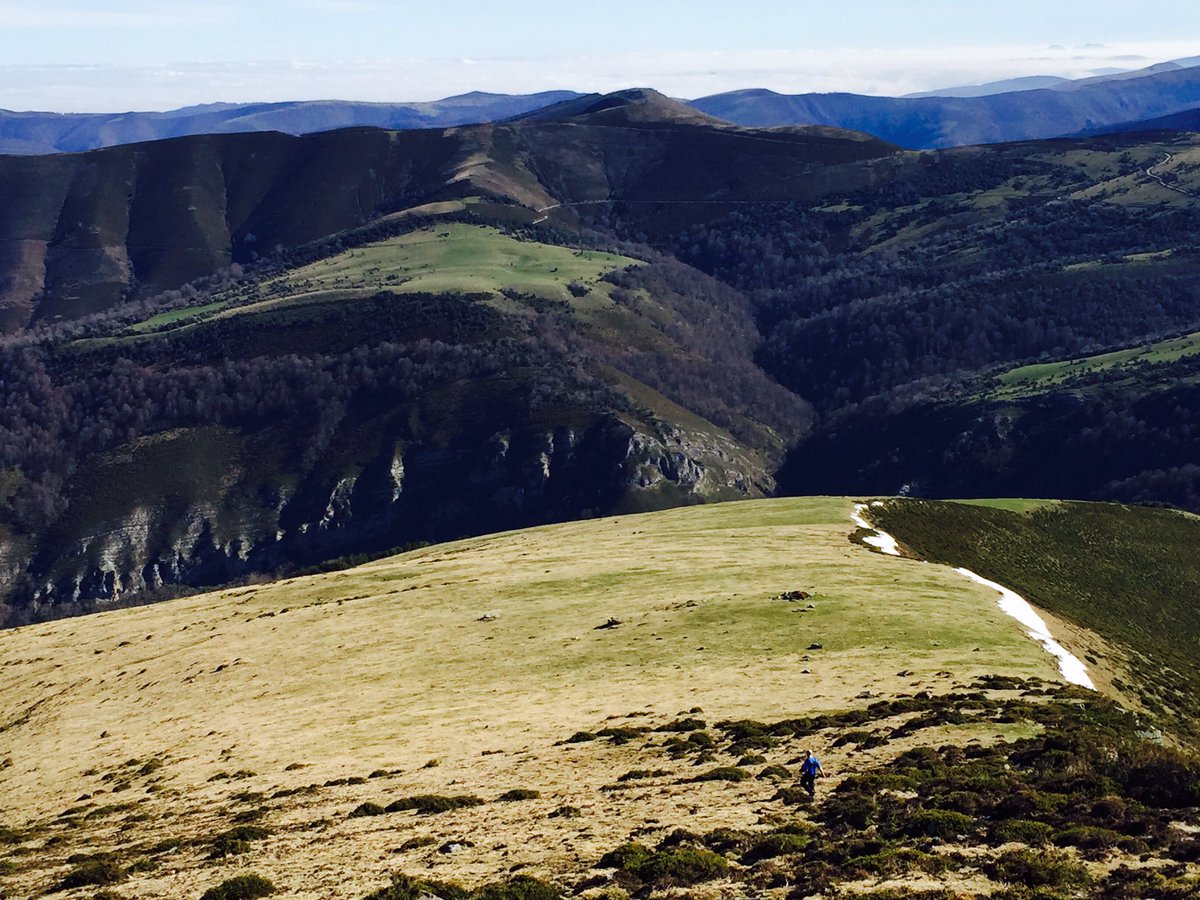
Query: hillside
x,y
612,307
32,133
1188,120
290,729
81,232
937,121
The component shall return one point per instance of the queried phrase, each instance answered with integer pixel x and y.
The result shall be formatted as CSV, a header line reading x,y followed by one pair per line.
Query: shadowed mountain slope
x,y
79,232
1188,120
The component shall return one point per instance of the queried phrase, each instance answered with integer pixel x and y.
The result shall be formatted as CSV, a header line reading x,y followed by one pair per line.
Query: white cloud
x,y
867,71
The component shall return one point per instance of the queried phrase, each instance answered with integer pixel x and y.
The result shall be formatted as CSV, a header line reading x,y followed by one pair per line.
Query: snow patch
x,y
1011,603
1072,668
880,540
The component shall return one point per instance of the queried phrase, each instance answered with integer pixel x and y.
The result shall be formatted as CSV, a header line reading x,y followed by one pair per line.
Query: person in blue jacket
x,y
810,771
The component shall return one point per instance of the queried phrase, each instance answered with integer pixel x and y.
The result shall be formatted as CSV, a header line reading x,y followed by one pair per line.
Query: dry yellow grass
x,y
482,654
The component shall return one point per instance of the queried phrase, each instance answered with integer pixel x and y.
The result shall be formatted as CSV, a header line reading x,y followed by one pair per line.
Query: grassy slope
x,y
1032,379
1129,574
445,258
389,665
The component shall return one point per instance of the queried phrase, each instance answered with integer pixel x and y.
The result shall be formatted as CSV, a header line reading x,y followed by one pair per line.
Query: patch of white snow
x,y
880,540
1013,604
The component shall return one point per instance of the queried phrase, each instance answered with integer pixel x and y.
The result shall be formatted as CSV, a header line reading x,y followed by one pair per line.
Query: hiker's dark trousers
x,y
809,783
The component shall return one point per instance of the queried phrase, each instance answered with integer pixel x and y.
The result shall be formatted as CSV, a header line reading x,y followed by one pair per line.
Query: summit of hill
x,y
634,106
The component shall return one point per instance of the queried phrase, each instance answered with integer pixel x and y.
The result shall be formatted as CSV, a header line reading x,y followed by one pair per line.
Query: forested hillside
x,y
246,354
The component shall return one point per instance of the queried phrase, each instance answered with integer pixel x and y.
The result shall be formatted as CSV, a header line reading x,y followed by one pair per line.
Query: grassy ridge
x,y
1130,574
608,708
450,258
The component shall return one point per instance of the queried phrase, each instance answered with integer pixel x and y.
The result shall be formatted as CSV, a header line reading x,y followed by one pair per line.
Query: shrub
x,y
242,887
519,794
1147,884
405,888
722,773
856,811
621,735
635,775
774,845
366,809
237,840
726,840
523,887
628,857
939,823
775,773
1037,868
1022,831
894,861
794,796
99,870
566,812
684,725
416,843
752,759
428,804
671,866
874,782
1161,777
1088,837
581,737
10,835
683,866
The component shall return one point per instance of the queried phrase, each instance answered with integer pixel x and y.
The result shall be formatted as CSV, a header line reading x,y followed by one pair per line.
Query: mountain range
x,y
951,121
1016,109
43,132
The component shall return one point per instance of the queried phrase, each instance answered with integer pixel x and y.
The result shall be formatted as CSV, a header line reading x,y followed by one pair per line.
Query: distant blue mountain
x,y
41,132
1008,86
930,122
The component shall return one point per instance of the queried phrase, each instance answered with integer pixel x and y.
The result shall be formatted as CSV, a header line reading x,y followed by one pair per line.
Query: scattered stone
x,y
487,617
794,596
903,673
816,646
454,846
611,623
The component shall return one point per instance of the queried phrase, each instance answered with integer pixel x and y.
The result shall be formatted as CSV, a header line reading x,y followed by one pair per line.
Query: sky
x,y
111,55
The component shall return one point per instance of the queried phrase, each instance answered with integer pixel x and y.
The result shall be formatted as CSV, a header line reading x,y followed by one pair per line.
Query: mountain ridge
x,y
39,133
939,122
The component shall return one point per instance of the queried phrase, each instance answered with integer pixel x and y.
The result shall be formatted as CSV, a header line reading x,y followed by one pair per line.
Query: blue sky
x,y
80,54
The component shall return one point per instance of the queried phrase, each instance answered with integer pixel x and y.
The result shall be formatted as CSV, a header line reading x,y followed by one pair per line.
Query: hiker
x,y
810,771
